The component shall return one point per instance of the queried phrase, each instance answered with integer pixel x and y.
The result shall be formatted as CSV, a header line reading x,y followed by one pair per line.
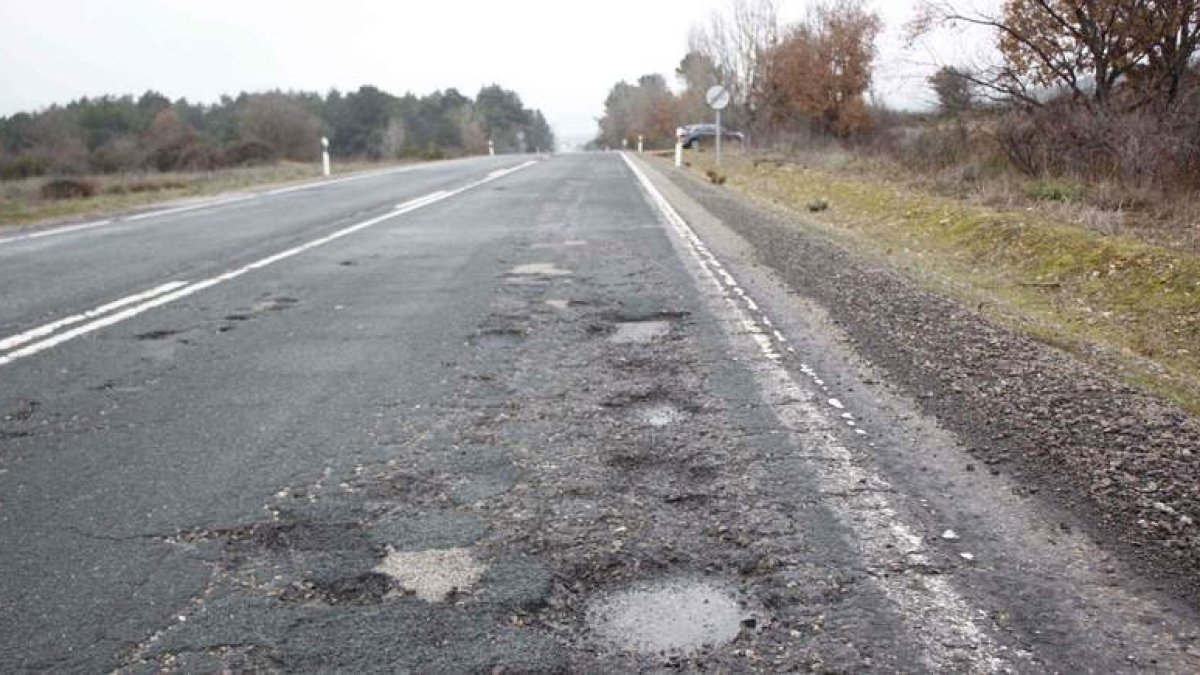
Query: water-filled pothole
x,y
676,617
639,332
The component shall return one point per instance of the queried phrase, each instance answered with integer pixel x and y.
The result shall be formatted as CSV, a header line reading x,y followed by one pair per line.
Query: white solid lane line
x,y
420,201
953,635
182,292
59,230
42,331
189,207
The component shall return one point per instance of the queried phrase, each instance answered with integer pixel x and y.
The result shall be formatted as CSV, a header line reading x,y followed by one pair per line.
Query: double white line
x,y
31,342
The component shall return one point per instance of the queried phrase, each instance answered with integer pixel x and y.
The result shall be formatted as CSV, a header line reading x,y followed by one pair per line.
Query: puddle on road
x,y
539,270
433,575
639,332
677,617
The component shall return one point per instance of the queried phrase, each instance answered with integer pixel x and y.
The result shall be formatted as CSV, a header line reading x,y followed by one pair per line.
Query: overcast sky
x,y
560,56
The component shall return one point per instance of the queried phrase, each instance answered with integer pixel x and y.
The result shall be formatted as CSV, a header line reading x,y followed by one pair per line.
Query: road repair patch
x,y
433,575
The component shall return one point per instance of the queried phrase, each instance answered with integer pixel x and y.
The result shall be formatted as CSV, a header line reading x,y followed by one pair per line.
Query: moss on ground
x,y
1127,305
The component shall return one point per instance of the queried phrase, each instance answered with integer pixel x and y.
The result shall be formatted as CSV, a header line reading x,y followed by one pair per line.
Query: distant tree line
x,y
809,75
150,132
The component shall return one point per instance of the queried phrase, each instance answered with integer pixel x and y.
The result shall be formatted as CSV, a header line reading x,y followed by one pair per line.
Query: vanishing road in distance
x,y
500,414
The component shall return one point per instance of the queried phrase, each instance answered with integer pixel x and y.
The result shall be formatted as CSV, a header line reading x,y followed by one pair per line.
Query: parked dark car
x,y
694,133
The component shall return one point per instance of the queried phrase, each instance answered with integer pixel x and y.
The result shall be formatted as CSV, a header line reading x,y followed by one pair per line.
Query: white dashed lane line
x,y
126,308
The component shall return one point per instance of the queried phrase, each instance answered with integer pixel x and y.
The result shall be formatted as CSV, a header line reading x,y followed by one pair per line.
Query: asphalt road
x,y
497,414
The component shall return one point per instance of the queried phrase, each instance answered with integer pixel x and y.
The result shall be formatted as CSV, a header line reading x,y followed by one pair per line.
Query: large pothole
x,y
639,332
677,617
433,575
658,413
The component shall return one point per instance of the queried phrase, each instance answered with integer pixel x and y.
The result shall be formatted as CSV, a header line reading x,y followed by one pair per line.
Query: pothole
x,y
498,337
678,617
157,334
539,270
658,413
560,244
274,304
433,575
639,332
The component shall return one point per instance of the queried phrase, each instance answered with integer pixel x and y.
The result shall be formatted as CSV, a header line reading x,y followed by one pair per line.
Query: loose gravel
x,y
1126,462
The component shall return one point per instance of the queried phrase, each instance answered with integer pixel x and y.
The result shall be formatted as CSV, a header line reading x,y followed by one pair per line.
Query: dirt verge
x,y
1126,461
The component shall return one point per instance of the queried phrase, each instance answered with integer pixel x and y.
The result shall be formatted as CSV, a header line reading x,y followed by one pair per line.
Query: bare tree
x,y
737,41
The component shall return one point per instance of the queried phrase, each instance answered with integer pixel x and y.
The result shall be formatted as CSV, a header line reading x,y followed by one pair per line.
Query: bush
x,y
248,153
68,188
119,154
1054,191
25,166
138,186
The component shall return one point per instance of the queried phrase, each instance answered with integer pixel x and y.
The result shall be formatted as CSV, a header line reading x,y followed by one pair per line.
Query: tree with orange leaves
x,y
821,70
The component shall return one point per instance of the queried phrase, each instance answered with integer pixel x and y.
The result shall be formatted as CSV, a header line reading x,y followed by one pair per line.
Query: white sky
x,y
560,56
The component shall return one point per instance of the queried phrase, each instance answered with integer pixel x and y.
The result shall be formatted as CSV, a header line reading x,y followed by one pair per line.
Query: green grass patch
x,y
1054,191
1127,305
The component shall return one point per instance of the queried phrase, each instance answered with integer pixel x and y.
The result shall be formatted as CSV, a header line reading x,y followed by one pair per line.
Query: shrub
x,y
248,153
138,186
25,166
1054,191
68,188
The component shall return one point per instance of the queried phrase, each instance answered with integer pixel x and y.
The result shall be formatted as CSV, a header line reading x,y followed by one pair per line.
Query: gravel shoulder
x,y
1122,461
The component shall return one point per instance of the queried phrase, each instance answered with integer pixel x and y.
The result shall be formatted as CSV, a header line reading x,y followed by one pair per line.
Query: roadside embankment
x,y
36,200
1131,307
972,314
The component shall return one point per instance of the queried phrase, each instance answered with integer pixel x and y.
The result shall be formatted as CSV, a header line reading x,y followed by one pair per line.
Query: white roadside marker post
x,y
679,147
325,156
491,148
640,139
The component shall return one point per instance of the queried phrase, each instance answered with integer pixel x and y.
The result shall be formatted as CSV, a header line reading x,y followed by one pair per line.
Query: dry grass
x,y
1124,303
22,201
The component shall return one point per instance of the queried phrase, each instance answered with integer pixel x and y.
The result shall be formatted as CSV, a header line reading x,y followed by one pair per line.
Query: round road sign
x,y
717,97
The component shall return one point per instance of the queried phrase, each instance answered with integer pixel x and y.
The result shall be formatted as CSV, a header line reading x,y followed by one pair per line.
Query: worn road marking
x,y
191,289
58,230
189,207
943,623
50,328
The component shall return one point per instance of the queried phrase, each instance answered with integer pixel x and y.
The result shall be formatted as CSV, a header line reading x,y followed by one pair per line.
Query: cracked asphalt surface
x,y
527,427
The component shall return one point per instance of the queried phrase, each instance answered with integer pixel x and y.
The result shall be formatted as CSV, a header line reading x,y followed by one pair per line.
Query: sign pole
x,y
718,138
717,98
